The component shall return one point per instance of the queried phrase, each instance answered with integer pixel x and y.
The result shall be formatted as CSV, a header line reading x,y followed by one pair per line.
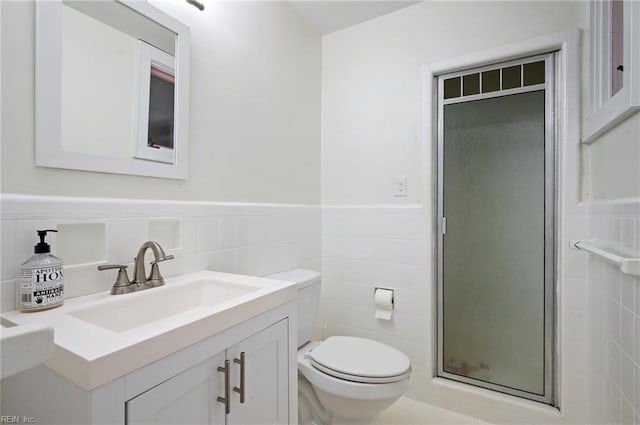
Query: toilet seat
x,y
360,360
346,388
359,379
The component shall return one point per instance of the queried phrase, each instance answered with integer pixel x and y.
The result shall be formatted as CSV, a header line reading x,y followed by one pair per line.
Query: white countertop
x,y
91,355
24,347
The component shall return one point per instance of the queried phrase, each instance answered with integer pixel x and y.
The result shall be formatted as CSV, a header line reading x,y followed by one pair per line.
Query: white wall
x,y
370,134
371,115
254,125
372,93
612,163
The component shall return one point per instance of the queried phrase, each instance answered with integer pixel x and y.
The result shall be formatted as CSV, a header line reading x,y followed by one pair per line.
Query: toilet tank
x,y
308,283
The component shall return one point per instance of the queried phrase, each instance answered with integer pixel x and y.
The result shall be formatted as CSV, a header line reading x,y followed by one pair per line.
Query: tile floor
x,y
407,411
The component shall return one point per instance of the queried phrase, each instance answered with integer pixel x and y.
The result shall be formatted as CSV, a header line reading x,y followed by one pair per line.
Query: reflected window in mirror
x,y
155,105
161,109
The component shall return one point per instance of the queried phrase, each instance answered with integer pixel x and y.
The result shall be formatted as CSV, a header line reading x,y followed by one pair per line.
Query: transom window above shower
x,y
495,79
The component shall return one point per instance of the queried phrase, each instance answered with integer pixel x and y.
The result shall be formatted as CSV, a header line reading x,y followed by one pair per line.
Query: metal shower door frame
x,y
550,212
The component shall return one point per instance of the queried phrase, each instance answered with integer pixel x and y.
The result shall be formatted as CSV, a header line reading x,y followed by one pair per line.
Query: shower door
x,y
496,235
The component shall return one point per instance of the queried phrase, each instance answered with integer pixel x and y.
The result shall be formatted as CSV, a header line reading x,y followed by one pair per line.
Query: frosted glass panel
x,y
493,251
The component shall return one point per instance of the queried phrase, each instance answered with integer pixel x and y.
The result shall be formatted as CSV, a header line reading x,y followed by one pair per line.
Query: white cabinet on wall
x,y
613,91
250,378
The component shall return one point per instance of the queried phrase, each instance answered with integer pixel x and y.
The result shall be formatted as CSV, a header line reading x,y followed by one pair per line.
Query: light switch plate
x,y
400,186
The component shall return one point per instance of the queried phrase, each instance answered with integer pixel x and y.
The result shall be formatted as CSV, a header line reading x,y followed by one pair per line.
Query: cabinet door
x,y
188,398
266,378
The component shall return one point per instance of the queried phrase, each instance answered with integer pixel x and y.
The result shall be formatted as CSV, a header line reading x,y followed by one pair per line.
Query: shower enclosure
x,y
496,227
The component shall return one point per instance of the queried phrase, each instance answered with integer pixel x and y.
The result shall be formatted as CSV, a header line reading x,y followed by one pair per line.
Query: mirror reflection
x,y
118,83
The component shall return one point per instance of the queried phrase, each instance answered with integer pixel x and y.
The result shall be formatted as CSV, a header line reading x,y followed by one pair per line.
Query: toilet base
x,y
310,411
350,411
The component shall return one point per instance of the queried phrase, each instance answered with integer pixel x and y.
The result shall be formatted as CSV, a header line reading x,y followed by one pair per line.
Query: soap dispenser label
x,y
41,287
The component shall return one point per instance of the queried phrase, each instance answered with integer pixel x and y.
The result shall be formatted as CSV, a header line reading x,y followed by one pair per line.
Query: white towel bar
x,y
627,265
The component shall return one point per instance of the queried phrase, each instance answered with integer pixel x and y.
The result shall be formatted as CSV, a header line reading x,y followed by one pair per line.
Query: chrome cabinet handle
x,y
240,390
226,399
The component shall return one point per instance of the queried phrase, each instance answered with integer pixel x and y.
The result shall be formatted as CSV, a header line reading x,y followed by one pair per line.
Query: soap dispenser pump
x,y
40,278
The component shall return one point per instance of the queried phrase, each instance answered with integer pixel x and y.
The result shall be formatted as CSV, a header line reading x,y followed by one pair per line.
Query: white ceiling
x,y
327,16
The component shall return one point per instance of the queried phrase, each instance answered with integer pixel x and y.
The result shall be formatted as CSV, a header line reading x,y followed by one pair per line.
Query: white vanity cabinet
x,y
266,379
256,395
187,398
182,388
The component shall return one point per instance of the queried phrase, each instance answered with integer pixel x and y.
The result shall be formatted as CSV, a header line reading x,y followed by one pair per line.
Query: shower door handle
x,y
444,225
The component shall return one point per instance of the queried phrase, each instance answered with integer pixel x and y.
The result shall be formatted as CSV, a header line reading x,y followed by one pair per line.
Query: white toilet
x,y
341,380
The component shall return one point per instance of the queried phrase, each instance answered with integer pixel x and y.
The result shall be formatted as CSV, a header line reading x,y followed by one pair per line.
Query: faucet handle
x,y
122,283
155,278
165,258
112,266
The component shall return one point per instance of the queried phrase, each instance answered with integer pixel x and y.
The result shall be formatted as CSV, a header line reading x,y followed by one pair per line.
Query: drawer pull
x,y
240,390
226,399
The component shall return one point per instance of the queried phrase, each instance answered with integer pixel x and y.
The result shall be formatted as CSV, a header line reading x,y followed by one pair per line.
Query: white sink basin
x,y
129,311
24,347
101,337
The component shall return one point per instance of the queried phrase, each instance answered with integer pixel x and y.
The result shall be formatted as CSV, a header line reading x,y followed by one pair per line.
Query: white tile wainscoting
x,y
391,246
253,239
364,247
368,247
614,317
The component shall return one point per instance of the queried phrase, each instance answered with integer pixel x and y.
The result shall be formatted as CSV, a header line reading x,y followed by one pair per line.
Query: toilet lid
x,y
360,360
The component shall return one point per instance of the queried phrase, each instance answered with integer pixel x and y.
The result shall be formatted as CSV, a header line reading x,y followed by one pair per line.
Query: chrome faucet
x,y
140,280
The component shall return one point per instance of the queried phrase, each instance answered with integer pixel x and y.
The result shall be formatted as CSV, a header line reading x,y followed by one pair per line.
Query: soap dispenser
x,y
40,283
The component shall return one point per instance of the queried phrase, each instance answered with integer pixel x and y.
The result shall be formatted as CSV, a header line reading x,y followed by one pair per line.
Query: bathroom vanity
x,y
206,348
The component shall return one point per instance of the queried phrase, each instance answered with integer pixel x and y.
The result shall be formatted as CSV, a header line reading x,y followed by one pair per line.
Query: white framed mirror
x,y
112,88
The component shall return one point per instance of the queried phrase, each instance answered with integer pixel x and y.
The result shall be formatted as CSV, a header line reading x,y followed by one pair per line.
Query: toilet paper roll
x,y
383,300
